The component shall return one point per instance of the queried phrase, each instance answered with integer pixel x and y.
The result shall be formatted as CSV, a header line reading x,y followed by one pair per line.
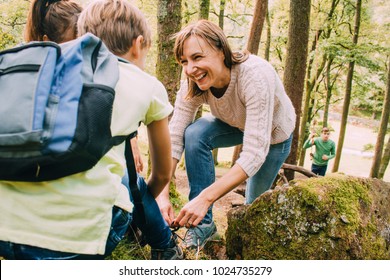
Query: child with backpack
x,y
85,215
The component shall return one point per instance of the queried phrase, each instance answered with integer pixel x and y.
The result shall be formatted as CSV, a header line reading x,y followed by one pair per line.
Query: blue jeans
x,y
319,169
157,233
156,230
208,133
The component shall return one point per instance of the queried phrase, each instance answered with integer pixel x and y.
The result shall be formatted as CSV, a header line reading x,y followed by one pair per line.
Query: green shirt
x,y
322,148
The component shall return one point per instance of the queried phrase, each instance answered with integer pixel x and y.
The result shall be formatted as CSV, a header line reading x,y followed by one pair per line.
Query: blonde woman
x,y
248,105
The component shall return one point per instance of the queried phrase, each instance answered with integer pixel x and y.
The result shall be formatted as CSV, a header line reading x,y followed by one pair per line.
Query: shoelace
x,y
186,235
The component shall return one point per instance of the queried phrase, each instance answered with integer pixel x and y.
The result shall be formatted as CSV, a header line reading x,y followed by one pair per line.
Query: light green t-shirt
x,y
73,214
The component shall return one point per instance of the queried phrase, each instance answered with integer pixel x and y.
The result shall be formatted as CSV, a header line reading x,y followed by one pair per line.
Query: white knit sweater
x,y
255,102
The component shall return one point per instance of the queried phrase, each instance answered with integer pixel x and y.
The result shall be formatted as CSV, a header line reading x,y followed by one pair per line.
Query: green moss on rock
x,y
335,217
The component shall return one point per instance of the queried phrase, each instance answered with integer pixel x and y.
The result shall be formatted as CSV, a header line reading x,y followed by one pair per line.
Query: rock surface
x,y
334,217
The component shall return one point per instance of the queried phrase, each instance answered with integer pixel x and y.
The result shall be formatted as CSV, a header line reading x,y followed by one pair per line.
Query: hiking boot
x,y
171,253
198,236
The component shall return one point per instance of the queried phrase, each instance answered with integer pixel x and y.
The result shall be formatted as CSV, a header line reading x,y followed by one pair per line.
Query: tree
x,y
12,21
253,46
257,26
268,41
348,90
374,173
167,70
168,23
311,79
221,15
295,69
385,160
204,9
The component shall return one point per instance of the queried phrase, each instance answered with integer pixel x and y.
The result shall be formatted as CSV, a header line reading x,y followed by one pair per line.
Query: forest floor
x,y
355,160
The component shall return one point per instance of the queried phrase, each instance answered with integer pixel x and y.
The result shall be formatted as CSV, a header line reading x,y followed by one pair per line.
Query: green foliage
x,y
12,20
129,249
368,147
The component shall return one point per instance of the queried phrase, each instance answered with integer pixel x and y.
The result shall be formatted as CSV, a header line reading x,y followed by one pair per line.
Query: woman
x,y
248,105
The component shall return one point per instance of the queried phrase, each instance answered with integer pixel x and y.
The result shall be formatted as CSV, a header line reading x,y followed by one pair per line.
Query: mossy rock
x,y
334,217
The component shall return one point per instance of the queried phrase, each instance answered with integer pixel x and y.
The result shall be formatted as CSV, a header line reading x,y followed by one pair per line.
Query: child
x,y
124,30
56,20
85,215
52,20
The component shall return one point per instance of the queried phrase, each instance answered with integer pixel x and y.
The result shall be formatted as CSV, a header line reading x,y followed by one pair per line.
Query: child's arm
x,y
160,154
163,201
309,142
139,164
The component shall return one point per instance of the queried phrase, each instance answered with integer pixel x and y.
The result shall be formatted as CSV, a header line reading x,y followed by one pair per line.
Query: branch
x,y
299,169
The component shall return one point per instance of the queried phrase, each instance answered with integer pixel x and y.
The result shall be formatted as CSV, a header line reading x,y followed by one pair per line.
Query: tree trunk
x,y
168,23
307,114
328,92
348,90
221,16
253,45
268,42
257,26
236,153
167,70
295,69
306,117
385,160
204,9
374,173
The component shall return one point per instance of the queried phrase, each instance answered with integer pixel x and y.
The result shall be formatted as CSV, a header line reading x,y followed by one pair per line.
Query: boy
x,y
325,151
124,30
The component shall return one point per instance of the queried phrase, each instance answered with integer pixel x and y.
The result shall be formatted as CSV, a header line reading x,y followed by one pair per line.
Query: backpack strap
x,y
135,192
137,198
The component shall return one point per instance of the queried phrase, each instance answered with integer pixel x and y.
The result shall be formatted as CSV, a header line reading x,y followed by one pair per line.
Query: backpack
x,y
56,110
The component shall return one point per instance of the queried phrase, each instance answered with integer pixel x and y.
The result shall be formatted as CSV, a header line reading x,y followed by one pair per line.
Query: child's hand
x,y
139,164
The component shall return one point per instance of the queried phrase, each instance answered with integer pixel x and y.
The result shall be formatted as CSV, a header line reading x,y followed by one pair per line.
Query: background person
x,y
325,150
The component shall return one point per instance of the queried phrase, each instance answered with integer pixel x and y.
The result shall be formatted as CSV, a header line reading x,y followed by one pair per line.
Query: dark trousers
x,y
319,169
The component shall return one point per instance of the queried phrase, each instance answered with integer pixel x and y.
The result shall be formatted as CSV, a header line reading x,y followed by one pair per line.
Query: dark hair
x,y
214,36
51,18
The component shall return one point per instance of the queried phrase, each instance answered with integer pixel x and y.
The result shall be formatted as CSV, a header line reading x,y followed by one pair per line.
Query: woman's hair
x,y
51,18
116,22
214,36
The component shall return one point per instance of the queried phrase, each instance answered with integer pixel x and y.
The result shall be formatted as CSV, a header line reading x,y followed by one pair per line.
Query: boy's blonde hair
x,y
116,22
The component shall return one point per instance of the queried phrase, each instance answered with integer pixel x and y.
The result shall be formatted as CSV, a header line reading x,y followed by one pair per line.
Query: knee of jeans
x,y
189,143
194,138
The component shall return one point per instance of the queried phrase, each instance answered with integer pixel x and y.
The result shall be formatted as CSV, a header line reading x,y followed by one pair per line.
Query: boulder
x,y
335,217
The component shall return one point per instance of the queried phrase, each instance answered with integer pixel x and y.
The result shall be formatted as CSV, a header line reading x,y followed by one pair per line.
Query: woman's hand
x,y
193,212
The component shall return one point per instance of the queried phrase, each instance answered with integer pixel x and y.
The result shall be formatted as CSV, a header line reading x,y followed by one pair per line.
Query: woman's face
x,y
203,64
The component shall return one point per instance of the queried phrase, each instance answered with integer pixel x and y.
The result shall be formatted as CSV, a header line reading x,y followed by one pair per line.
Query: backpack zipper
x,y
20,68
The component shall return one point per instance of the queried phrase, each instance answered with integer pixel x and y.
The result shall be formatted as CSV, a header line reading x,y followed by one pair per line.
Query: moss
x,y
129,250
319,218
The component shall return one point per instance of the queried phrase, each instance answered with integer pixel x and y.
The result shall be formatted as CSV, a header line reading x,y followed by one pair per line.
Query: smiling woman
x,y
248,105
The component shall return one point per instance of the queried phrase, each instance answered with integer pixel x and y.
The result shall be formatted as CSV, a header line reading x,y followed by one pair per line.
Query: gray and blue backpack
x,y
56,110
